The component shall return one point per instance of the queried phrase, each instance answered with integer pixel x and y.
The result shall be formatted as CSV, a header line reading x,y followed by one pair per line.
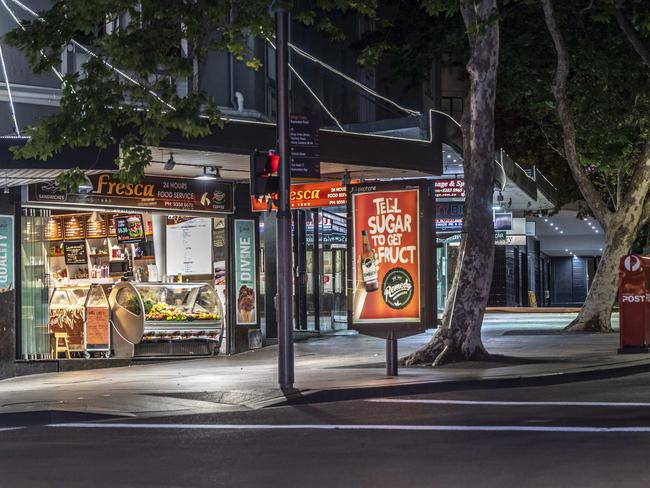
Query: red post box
x,y
634,303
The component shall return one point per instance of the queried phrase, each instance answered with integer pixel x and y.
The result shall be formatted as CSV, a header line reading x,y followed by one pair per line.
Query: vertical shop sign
x,y
6,253
305,146
386,256
245,272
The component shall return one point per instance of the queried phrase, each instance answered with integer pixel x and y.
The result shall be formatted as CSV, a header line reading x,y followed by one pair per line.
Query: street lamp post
x,y
283,215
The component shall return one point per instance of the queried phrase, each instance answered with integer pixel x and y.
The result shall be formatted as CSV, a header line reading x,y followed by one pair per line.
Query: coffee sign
x,y
152,193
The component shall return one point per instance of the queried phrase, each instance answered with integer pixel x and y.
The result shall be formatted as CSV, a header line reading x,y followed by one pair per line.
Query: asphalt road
x,y
587,434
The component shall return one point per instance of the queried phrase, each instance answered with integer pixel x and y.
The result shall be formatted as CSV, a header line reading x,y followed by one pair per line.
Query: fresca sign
x,y
309,195
153,193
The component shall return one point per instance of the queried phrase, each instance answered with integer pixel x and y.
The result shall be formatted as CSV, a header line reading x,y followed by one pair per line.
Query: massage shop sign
x,y
6,253
389,257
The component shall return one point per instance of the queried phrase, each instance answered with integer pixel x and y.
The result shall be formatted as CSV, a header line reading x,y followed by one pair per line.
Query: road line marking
x,y
439,428
508,403
4,429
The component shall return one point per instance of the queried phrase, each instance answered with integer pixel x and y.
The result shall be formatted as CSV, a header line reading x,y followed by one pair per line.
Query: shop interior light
x,y
209,174
496,207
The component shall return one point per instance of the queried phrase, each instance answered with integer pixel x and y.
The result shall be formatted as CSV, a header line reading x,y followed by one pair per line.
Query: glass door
x,y
339,289
35,339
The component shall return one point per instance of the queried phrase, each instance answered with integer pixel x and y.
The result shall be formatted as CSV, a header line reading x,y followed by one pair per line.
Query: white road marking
x,y
439,428
4,429
508,403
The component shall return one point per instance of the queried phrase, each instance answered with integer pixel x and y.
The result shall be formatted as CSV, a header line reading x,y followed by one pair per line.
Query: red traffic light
x,y
273,162
264,165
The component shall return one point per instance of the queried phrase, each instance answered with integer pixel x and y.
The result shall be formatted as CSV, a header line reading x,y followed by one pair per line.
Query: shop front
x,y
319,225
125,270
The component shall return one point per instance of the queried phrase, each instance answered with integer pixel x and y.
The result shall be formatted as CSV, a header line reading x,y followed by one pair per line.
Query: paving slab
x,y
526,347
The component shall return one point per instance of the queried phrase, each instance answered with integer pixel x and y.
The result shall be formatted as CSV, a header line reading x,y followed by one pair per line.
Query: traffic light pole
x,y
284,261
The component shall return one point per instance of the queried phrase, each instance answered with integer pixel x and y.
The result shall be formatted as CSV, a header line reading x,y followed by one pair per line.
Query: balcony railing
x,y
548,189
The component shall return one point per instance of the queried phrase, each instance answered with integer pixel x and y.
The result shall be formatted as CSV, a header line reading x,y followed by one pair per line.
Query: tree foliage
x,y
156,48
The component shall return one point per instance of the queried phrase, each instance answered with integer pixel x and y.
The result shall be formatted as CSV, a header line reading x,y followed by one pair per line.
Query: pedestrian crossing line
x,y
362,427
509,403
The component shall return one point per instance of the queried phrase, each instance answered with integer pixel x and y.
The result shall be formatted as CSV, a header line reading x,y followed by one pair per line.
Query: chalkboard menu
x,y
96,230
75,252
54,230
130,229
73,228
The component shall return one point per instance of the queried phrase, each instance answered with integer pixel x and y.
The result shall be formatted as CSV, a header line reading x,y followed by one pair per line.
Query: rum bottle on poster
x,y
369,267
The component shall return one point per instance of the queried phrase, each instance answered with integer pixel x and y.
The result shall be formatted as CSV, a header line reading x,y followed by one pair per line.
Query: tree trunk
x,y
461,338
620,226
595,314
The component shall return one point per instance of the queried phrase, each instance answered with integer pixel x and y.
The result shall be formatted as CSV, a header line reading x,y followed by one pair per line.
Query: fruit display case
x,y
180,311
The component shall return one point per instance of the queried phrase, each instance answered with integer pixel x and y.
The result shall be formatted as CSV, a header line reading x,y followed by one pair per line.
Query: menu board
x,y
189,246
96,230
54,229
75,252
97,326
73,228
130,229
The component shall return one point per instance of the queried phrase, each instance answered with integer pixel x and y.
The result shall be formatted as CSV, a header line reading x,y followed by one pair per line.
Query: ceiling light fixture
x,y
209,174
86,186
169,165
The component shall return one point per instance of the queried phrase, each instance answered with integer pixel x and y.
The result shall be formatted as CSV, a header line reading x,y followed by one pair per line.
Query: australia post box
x,y
634,303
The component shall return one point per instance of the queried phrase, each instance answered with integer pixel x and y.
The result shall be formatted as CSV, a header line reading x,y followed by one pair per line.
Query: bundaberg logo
x,y
397,288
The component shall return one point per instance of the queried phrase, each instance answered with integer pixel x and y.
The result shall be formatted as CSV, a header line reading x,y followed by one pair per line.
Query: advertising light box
x,y
391,264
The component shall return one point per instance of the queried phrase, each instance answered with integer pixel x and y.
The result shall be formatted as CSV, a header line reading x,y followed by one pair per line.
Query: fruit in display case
x,y
163,311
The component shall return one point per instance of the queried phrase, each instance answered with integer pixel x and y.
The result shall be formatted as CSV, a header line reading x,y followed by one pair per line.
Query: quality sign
x,y
6,253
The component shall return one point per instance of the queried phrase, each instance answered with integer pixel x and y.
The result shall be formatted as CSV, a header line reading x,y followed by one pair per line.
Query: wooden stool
x,y
58,348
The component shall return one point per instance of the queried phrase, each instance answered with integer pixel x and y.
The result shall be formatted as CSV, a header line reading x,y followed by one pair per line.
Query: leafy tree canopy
x,y
155,48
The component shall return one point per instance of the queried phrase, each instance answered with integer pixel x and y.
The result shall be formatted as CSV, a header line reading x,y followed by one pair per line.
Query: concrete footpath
x,y
531,350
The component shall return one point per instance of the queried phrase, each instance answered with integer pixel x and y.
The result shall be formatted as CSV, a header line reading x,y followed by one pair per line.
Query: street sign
x,y
305,146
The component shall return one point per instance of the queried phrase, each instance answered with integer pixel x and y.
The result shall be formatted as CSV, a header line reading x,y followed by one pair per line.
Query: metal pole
x,y
284,266
391,354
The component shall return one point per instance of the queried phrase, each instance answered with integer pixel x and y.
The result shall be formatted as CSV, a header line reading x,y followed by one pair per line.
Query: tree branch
x,y
632,36
587,188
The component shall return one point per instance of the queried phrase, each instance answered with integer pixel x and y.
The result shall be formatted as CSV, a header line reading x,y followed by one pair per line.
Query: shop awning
x,y
347,149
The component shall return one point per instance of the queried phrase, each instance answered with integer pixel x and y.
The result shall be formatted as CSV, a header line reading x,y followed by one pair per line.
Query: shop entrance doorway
x,y
320,269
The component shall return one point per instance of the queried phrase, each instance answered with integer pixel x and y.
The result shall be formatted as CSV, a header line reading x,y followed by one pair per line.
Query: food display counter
x,y
82,312
167,312
67,313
